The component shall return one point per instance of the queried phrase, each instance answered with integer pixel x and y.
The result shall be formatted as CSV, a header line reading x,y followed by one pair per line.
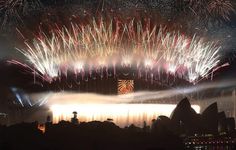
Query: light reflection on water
x,y
213,147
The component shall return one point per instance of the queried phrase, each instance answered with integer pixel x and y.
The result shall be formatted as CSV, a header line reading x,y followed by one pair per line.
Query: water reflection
x,y
212,147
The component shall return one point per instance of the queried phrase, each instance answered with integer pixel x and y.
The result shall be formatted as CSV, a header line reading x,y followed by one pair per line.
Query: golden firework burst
x,y
125,86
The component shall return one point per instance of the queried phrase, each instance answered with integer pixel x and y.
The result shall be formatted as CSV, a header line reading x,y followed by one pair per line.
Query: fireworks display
x,y
139,51
101,46
211,8
221,8
125,86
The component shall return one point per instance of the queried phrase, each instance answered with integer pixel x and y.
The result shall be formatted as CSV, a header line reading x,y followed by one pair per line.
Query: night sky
x,y
21,21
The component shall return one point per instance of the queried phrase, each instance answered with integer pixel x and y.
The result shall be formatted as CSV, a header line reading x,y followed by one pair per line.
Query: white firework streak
x,y
43,55
175,47
101,45
202,58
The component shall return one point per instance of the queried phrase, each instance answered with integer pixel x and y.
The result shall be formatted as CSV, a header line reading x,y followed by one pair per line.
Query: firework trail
x,y
44,55
105,45
14,10
212,8
221,8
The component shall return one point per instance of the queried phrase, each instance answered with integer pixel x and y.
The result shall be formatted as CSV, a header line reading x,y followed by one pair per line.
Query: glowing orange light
x,y
41,127
125,86
121,114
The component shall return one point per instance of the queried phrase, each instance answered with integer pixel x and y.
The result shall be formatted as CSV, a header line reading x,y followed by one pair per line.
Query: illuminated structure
x,y
125,86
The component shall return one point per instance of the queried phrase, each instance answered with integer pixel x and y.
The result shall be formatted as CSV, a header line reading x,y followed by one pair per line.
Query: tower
x,y
74,120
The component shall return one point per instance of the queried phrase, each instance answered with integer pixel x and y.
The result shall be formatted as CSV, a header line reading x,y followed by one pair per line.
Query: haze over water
x,y
91,107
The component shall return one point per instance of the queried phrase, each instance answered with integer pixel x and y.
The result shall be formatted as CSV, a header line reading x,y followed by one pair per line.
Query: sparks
x,y
105,45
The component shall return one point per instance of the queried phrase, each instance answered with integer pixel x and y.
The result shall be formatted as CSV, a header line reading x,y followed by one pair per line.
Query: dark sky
x,y
57,11
28,18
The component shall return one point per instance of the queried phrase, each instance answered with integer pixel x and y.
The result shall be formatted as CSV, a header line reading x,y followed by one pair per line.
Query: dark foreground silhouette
x,y
85,136
184,129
